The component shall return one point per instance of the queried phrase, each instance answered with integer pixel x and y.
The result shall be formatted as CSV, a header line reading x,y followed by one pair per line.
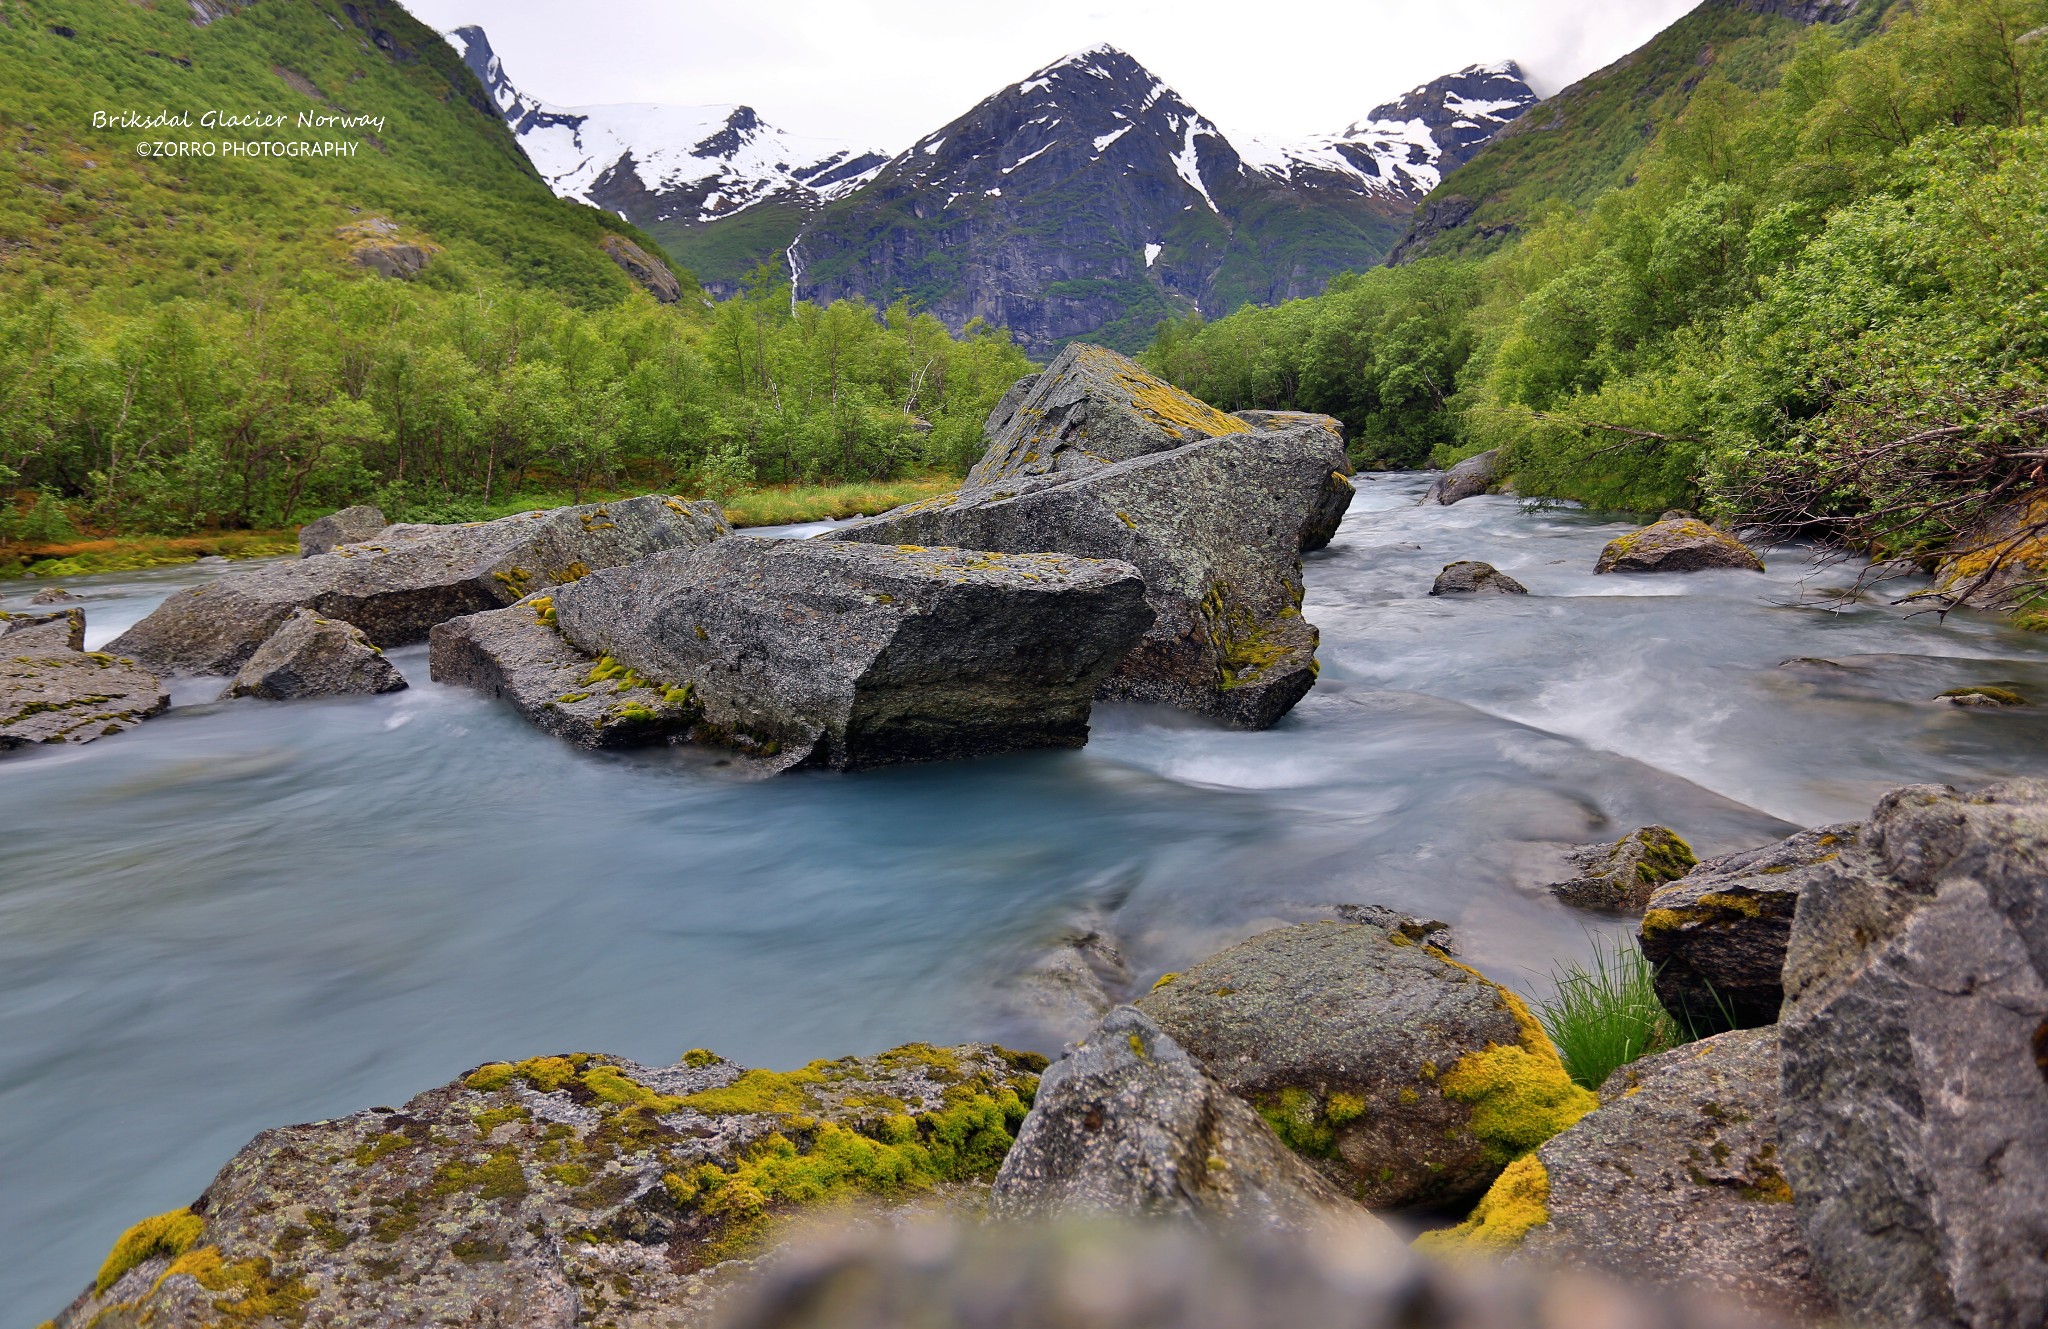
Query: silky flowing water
x,y
247,914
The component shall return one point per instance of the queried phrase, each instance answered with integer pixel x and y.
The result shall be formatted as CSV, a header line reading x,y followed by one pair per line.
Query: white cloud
x,y
884,72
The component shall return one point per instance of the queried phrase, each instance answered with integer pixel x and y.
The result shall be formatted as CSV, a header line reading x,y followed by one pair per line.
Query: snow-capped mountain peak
x,y
655,163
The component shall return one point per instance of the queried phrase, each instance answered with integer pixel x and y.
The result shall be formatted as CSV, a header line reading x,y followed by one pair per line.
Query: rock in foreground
x,y
1409,1076
53,692
1620,877
1127,1125
809,652
1717,935
1468,479
1179,1276
1216,527
555,1192
1467,577
311,656
397,587
1672,1184
1915,1069
346,527
1676,544
518,655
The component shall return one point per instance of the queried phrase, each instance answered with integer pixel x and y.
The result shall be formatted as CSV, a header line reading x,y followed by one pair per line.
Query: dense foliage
x,y
1794,283
189,342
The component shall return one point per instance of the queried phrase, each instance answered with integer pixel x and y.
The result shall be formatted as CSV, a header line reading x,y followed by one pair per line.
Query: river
x,y
248,914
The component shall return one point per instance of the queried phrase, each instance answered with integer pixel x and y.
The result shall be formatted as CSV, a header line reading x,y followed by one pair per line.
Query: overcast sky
x,y
881,73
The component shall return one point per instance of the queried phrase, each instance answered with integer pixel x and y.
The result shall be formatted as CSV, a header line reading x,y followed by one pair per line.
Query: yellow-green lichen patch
x,y
1516,1204
1519,1094
543,609
1164,979
247,1293
164,1234
383,1146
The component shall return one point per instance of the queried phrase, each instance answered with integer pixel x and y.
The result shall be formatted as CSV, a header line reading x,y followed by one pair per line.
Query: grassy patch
x,y
1605,1015
781,506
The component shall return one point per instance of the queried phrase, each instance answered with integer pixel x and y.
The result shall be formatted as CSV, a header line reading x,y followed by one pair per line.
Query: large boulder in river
x,y
1470,577
346,527
1128,1125
1915,1032
1338,490
808,652
556,1191
519,656
1468,479
1621,877
1717,935
1676,544
1408,1076
1216,526
311,656
1673,1183
53,692
395,588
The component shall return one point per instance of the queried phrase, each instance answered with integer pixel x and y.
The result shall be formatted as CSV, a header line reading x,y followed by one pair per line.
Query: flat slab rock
x,y
1128,1125
1717,936
51,691
1673,1183
311,656
1915,1033
519,656
558,1191
396,587
1408,1077
809,652
1676,544
1216,527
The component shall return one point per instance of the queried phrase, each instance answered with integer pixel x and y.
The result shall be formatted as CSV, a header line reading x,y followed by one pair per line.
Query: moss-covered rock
x,y
1409,1077
556,1191
1621,877
63,630
1672,1183
52,692
1717,935
1676,544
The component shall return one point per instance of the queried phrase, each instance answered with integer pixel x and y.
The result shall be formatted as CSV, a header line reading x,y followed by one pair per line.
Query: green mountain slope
x,y
84,212
1587,139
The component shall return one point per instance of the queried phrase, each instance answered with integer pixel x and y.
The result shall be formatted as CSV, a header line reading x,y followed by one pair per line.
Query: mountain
x,y
677,170
1090,199
1586,139
411,171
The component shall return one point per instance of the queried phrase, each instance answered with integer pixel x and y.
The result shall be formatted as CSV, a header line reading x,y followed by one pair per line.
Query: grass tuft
x,y
1605,1015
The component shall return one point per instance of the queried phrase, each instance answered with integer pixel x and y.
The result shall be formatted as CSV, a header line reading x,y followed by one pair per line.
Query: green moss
x,y
490,1120
164,1234
567,1174
761,1091
383,1146
1520,1094
632,711
1302,1121
489,1076
1666,855
1983,696
699,1058
1516,1204
248,1293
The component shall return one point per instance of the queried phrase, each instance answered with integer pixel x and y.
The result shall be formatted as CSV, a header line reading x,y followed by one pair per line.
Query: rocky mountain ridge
x,y
1087,199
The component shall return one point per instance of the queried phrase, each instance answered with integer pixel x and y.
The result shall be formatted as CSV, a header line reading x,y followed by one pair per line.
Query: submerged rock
x,y
346,527
1673,1183
1915,1033
1128,1125
395,588
1682,544
846,655
61,631
53,693
1717,935
311,656
1468,479
518,655
556,1191
1074,984
1621,877
1215,525
1985,697
52,595
1180,1276
1408,1076
1467,577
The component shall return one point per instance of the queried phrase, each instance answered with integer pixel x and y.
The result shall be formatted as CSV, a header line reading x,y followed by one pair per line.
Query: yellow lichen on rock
x,y
1516,1204
163,1234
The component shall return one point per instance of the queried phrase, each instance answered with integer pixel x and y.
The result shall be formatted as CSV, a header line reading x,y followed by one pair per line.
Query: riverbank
x,y
780,506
